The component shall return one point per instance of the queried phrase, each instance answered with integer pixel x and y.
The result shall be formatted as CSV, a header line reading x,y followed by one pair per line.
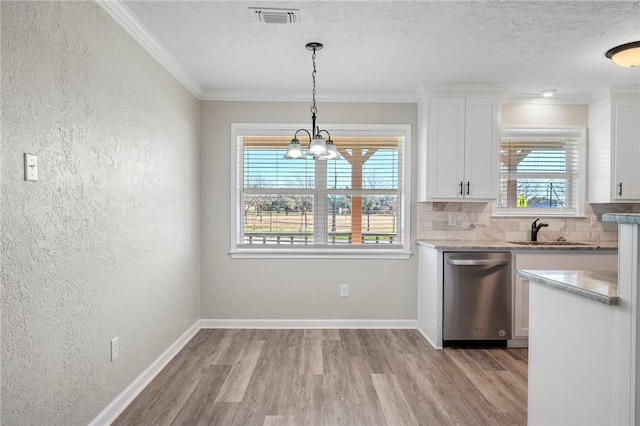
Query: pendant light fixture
x,y
318,148
625,55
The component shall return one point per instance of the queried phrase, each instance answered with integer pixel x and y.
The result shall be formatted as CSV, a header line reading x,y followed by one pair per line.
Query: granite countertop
x,y
599,286
511,246
628,218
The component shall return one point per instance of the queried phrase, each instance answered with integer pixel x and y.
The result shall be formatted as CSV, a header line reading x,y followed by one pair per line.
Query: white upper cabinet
x,y
626,145
446,148
614,145
482,148
459,152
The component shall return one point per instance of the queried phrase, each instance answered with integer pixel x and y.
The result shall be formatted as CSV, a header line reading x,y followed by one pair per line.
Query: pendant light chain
x,y
319,149
313,76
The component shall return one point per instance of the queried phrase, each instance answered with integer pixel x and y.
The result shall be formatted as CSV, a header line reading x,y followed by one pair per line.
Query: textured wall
x,y
106,243
292,288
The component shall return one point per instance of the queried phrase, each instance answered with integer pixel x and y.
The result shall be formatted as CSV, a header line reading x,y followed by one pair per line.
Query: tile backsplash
x,y
474,222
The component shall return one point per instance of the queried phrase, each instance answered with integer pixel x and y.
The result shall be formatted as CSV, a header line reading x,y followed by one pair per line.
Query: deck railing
x,y
290,238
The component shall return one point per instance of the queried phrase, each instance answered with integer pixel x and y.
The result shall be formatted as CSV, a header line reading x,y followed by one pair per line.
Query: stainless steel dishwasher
x,y
477,296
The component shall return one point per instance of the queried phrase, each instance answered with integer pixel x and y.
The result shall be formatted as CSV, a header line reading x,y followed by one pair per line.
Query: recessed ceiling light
x,y
548,93
625,55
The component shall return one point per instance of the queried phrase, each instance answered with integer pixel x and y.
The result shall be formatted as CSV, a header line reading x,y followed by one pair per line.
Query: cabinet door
x,y
482,142
586,261
446,148
430,294
626,137
520,307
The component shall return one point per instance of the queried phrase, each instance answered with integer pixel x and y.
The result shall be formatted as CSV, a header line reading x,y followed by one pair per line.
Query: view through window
x,y
540,174
352,202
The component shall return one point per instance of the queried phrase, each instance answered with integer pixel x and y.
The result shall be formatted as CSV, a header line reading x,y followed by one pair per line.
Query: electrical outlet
x,y
115,350
594,220
344,290
30,167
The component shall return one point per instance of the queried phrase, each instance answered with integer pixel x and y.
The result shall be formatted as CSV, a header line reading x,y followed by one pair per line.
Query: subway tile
x,y
439,206
454,207
515,236
474,221
425,207
440,225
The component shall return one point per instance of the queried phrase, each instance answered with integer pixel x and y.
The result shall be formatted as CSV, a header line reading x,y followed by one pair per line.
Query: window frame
x,y
549,132
401,251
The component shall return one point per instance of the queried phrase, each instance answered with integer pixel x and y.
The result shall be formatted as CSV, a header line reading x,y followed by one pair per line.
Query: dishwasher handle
x,y
477,262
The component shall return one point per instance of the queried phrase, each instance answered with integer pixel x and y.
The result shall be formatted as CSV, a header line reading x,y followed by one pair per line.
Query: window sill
x,y
319,254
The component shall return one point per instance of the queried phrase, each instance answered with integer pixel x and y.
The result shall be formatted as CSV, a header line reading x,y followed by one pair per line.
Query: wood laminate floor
x,y
332,377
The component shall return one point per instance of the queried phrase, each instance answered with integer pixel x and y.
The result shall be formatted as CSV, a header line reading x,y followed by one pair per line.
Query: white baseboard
x,y
433,344
118,405
518,343
301,323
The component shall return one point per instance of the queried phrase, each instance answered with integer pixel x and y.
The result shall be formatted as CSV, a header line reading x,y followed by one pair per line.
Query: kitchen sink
x,y
548,243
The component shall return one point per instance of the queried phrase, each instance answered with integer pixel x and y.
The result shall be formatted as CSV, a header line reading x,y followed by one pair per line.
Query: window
x,y
541,172
355,205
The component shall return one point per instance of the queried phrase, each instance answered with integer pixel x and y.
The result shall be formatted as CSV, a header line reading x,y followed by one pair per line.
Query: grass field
x,y
296,222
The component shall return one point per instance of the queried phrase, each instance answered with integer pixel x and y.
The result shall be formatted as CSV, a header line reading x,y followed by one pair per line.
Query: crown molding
x,y
289,96
539,100
466,89
630,89
127,20
424,91
620,92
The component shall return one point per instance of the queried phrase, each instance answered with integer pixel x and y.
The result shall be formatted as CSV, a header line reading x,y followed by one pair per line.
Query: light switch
x,y
30,167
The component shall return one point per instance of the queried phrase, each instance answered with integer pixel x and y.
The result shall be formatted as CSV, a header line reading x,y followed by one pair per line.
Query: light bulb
x,y
332,151
295,150
318,147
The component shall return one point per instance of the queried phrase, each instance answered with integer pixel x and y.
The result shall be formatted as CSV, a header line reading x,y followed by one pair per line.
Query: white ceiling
x,y
384,50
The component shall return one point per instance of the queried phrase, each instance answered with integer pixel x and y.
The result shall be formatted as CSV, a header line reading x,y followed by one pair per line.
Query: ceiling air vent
x,y
268,15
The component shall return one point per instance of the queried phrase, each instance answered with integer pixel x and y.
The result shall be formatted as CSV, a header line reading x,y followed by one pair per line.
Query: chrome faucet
x,y
535,227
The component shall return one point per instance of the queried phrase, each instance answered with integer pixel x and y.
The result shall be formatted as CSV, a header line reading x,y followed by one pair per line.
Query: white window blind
x,y
355,202
540,175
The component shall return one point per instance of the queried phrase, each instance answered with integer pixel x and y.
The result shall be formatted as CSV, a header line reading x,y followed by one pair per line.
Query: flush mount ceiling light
x,y
318,148
548,93
625,55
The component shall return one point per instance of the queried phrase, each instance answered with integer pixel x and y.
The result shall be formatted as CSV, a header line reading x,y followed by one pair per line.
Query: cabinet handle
x,y
467,187
461,183
476,262
620,189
